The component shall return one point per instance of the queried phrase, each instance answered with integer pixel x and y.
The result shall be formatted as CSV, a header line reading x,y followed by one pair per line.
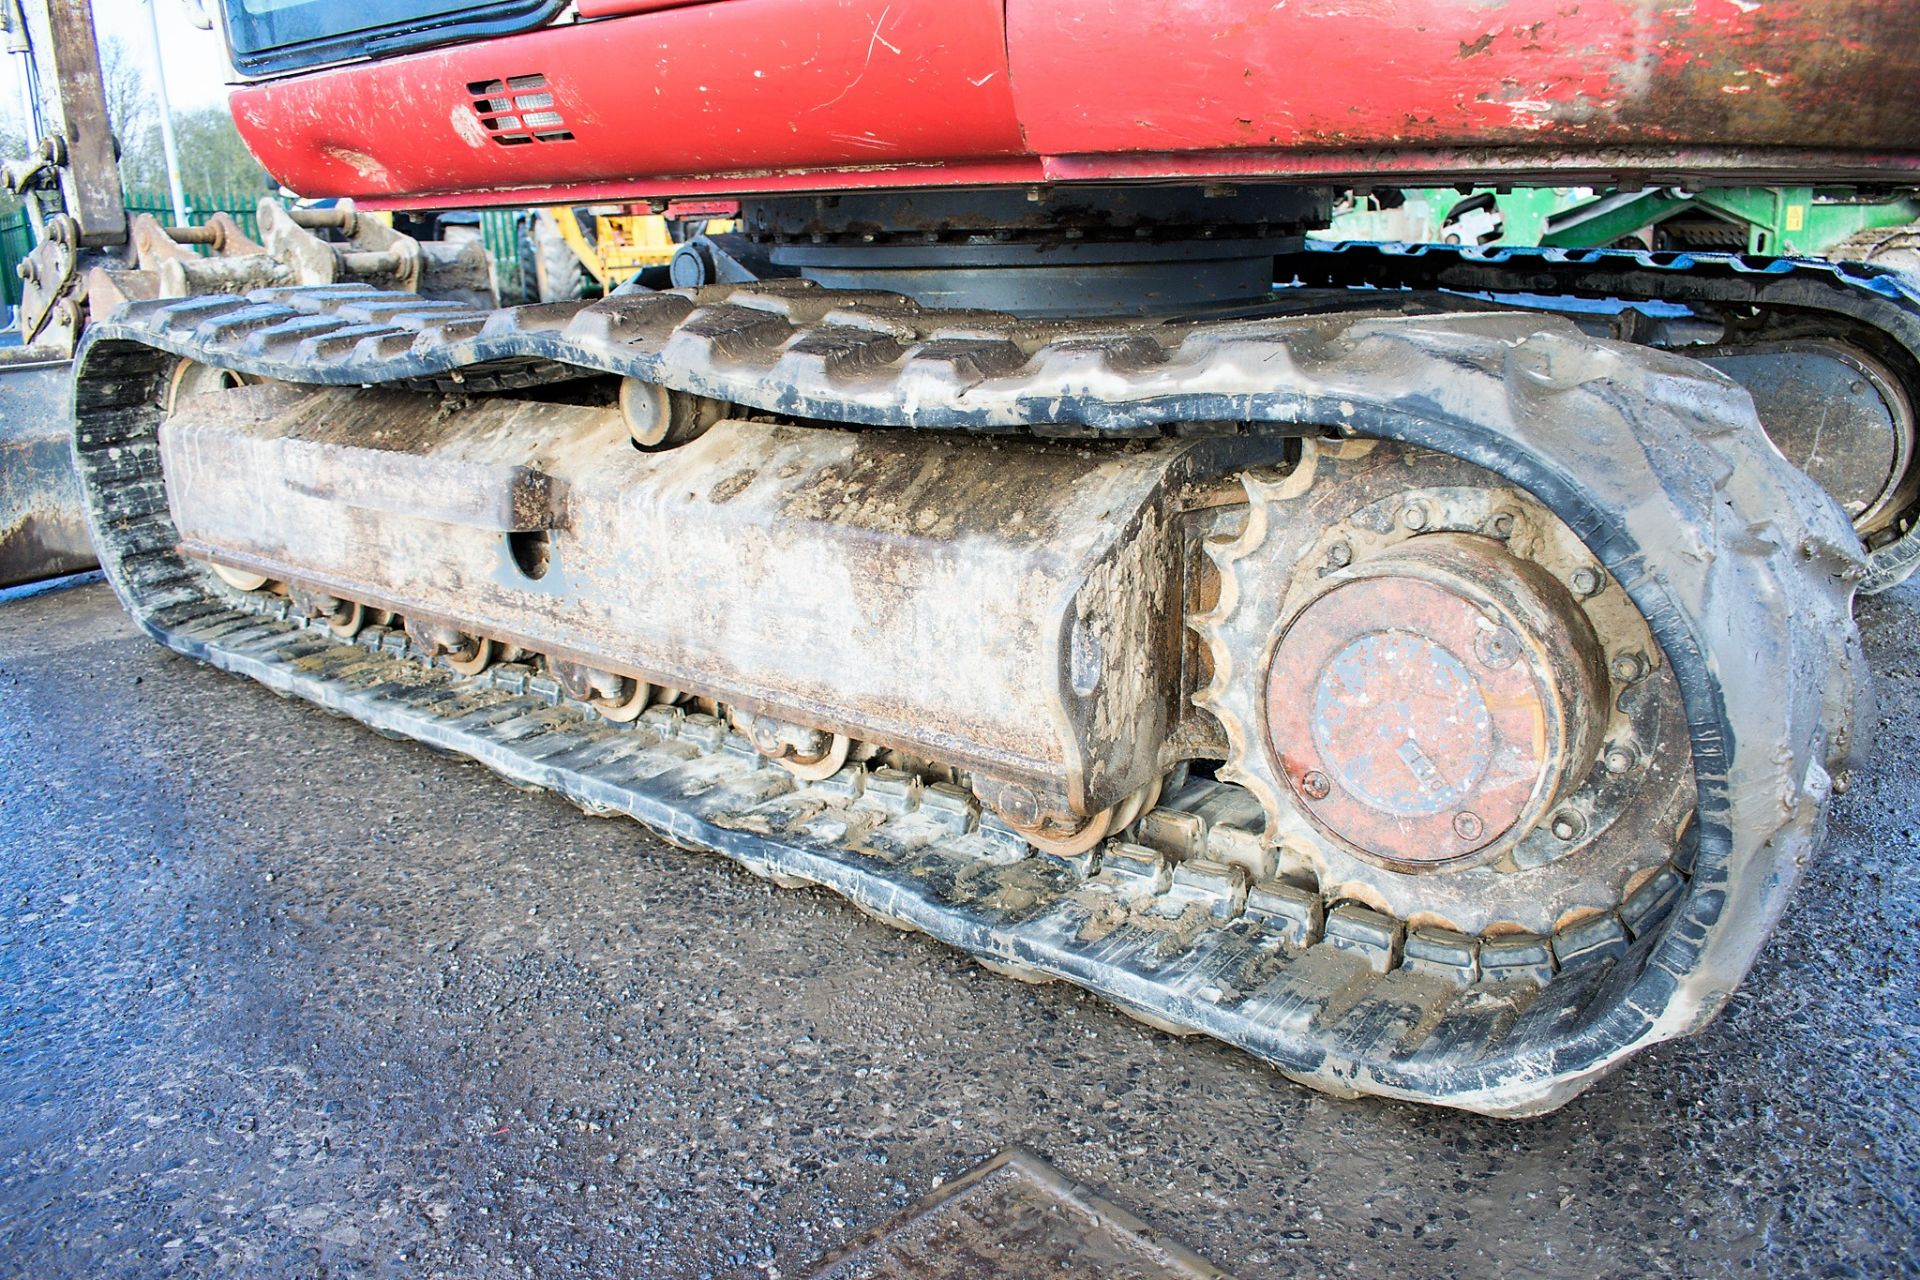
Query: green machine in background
x,y
1809,222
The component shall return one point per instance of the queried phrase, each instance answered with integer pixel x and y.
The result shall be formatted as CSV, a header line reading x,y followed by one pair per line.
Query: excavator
x,y
1428,669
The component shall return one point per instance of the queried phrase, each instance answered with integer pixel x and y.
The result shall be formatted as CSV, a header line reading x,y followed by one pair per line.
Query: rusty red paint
x,y
720,99
1425,710
1419,732
1336,74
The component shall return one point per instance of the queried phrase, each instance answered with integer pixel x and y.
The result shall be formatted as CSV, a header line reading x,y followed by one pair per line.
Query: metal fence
x,y
501,230
16,233
244,209
16,242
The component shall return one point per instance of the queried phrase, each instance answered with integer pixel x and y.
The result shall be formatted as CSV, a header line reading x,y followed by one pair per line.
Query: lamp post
x,y
166,119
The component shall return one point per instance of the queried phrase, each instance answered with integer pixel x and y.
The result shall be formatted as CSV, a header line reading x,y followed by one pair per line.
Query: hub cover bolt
x,y
1467,825
1314,785
1628,667
1497,649
1586,582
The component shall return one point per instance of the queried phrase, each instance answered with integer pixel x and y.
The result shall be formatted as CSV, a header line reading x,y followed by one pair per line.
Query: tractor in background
x,y
567,253
1841,224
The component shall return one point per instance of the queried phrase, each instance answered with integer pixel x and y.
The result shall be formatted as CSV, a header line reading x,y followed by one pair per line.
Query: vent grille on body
x,y
518,110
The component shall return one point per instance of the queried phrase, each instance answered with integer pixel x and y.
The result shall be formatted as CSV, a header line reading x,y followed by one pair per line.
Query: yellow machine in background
x,y
568,253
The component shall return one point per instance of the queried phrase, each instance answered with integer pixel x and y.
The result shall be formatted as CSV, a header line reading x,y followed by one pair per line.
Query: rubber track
x,y
1742,568
1879,298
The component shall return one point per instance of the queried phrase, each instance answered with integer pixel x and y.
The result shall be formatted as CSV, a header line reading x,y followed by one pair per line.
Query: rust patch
x,y
1469,49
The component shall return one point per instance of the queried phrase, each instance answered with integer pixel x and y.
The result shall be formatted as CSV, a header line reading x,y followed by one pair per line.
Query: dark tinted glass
x,y
285,35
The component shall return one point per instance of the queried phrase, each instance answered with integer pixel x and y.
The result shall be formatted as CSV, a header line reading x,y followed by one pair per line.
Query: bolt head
x,y
1503,525
1621,758
1585,582
1467,825
1414,516
1568,827
1628,667
1339,555
1314,785
1497,649
1018,804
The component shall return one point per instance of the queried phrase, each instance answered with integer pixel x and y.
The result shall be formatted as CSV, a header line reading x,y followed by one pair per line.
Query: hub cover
x,y
1430,709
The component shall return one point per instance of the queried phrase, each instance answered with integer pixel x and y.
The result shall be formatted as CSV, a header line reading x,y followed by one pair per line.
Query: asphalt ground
x,y
281,998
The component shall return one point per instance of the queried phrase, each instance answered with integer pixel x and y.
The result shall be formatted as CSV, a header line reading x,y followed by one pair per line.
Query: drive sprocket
x,y
1447,708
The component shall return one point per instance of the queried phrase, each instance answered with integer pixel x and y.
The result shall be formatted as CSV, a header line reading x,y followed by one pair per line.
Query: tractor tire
x,y
549,269
559,274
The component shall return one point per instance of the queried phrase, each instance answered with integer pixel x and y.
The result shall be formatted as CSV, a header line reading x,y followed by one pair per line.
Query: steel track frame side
x,y
1742,569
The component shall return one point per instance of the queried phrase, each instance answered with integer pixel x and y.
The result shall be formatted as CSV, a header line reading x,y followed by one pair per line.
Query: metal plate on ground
x,y
1014,1216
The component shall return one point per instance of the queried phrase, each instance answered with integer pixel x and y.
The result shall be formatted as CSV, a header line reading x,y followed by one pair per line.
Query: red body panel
x,y
1204,75
746,96
746,86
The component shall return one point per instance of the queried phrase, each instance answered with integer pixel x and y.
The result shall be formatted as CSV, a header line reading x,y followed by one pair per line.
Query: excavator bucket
x,y
43,525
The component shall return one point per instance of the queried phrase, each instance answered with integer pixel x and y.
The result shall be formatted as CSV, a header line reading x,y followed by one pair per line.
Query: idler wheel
x,y
658,418
616,697
1430,708
467,655
191,378
811,755
1069,836
345,618
472,656
349,620
238,579
1067,841
625,707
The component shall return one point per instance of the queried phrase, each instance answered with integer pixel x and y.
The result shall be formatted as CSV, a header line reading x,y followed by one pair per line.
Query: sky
x,y
195,61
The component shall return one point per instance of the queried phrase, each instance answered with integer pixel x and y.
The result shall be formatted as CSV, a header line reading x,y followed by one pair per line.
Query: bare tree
x,y
131,107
